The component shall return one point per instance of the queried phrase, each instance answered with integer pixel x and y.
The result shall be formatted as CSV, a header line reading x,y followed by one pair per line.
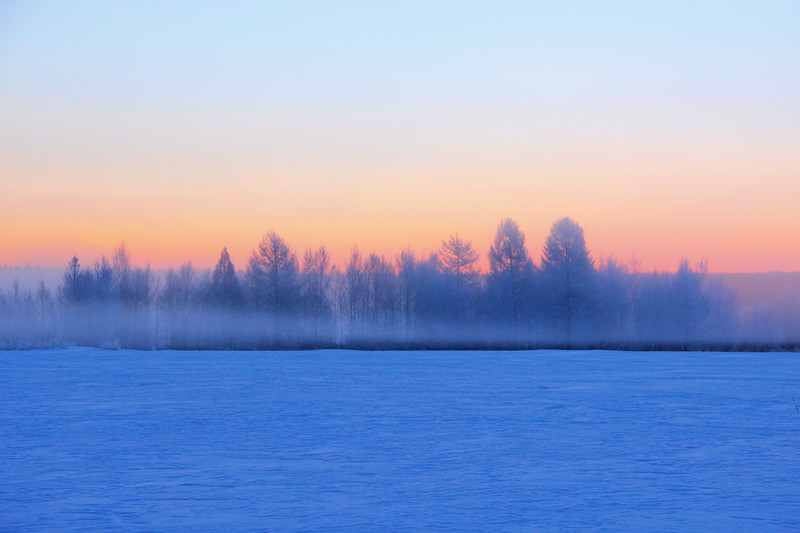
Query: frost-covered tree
x,y
459,260
511,272
315,285
354,294
103,280
44,299
410,299
722,306
689,307
421,295
458,257
81,284
143,286
225,290
651,297
614,284
381,294
134,287
76,285
121,269
180,288
568,277
406,265
272,276
431,299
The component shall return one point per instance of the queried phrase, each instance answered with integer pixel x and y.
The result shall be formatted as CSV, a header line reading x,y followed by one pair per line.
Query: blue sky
x,y
393,124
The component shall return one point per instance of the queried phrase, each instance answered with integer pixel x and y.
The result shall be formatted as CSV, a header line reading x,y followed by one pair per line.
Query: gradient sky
x,y
665,129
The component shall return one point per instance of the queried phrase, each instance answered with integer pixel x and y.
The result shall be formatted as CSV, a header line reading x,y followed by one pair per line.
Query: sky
x,y
666,129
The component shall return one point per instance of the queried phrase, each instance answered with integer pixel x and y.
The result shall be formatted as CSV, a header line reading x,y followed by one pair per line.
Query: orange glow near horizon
x,y
735,222
665,131
168,226
739,255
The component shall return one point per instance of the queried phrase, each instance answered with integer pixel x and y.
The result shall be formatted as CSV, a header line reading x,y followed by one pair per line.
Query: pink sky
x,y
665,132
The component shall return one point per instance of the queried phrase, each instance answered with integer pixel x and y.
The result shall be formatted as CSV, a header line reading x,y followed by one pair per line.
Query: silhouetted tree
x,y
315,284
406,265
103,280
568,276
180,288
458,261
613,310
225,289
381,294
355,294
272,276
430,296
429,301
44,299
123,286
722,306
510,280
689,307
76,285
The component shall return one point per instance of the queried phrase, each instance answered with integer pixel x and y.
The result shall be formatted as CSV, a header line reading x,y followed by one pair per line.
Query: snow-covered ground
x,y
346,441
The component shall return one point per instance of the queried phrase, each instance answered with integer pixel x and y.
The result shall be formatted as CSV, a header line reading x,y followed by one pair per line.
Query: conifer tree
x,y
225,289
511,273
568,275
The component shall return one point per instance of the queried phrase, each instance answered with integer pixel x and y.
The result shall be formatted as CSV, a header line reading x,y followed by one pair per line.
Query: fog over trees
x,y
441,300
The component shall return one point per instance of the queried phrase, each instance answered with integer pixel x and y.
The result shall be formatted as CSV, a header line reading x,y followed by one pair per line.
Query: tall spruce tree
x,y
510,280
225,290
568,275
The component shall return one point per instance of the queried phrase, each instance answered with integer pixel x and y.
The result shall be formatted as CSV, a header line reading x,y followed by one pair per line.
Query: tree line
x,y
441,300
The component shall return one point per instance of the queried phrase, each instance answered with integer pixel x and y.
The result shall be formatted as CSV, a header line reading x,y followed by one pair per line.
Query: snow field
x,y
346,440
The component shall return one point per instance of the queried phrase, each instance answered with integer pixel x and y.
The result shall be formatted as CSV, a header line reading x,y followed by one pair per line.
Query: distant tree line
x,y
437,301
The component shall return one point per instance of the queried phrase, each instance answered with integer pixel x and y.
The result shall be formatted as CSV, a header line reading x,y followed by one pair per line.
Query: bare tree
x,y
459,260
272,275
315,282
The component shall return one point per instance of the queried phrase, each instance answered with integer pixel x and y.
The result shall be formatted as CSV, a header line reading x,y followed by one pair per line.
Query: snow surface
x,y
345,440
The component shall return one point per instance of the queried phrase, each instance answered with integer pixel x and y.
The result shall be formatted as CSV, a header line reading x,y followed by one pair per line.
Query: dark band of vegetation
x,y
435,302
